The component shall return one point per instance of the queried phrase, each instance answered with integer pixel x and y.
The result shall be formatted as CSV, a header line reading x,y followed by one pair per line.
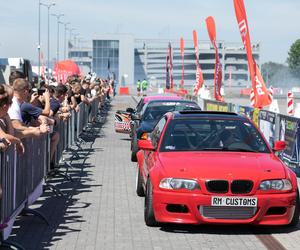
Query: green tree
x,y
272,72
293,59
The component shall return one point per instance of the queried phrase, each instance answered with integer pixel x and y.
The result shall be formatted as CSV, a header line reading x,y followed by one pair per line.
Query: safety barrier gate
x,y
22,176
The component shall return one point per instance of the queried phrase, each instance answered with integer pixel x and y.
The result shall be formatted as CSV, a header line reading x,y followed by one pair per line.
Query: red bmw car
x,y
214,167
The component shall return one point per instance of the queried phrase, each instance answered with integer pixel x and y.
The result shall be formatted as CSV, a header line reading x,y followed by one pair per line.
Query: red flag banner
x,y
182,56
171,66
261,96
211,28
199,75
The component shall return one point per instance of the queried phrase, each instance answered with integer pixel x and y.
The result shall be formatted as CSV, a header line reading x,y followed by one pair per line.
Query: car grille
x,y
215,212
241,186
217,186
236,186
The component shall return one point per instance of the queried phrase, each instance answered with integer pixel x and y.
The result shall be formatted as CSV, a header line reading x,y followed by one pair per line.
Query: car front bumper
x,y
194,203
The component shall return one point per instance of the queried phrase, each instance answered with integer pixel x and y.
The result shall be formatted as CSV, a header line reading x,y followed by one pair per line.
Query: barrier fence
x,y
22,176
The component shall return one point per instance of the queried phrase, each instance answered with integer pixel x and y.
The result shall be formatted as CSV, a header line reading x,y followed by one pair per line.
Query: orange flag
x,y
261,95
182,56
211,28
199,75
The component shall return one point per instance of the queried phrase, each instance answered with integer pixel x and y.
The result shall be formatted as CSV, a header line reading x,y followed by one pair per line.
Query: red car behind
x,y
214,167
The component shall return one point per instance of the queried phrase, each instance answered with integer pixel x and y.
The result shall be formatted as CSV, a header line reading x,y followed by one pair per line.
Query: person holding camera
x,y
21,89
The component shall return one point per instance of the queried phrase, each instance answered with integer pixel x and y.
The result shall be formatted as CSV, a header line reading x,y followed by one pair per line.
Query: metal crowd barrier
x,y
22,176
21,179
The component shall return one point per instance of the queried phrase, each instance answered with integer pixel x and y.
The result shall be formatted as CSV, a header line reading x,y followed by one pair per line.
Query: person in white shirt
x,y
21,94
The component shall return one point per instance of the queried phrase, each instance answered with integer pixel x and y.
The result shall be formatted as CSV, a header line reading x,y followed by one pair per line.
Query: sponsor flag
x,y
167,71
261,95
199,75
171,66
182,56
211,28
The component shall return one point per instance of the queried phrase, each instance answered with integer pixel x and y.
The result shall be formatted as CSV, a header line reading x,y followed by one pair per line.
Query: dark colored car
x,y
150,115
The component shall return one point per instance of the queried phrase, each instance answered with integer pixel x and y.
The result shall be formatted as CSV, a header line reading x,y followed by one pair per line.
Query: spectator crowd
x,y
28,111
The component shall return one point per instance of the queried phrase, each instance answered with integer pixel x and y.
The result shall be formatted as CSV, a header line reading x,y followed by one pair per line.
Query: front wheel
x,y
134,149
133,157
295,220
139,183
148,209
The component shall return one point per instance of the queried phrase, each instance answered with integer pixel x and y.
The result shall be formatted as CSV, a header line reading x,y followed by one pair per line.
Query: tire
x,y
133,157
139,183
134,149
295,220
148,208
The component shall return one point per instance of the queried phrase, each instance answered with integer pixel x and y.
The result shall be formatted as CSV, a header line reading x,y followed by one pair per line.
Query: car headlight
x,y
174,183
280,185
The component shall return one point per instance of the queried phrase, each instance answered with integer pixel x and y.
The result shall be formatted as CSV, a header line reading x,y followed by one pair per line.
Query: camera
x,y
41,91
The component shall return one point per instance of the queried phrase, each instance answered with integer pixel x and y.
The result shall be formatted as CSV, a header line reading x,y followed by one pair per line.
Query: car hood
x,y
220,165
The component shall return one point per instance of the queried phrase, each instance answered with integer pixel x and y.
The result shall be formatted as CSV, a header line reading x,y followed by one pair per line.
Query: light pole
x,y
80,39
71,32
75,39
58,16
65,40
48,38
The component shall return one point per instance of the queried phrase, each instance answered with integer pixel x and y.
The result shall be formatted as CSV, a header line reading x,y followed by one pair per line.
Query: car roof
x,y
170,101
187,114
161,97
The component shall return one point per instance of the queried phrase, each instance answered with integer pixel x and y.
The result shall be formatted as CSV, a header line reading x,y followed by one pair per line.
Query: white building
x,y
131,59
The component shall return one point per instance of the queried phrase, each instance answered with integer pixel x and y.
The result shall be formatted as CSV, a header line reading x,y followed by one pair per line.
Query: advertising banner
x,y
199,75
267,125
261,95
211,28
290,133
244,110
255,116
182,57
216,106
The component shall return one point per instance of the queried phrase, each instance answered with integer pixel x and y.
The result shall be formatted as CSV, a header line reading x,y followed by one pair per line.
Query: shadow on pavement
x,y
227,229
63,212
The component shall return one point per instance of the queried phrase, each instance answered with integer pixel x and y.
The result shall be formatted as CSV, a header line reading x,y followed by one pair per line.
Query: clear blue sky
x,y
274,23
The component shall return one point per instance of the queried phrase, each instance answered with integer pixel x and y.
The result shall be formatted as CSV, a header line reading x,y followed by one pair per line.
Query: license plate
x,y
233,201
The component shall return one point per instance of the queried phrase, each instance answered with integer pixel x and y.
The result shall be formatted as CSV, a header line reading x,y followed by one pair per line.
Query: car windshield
x,y
155,110
212,135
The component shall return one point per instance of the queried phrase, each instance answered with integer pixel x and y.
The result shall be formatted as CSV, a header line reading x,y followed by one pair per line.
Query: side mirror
x,y
279,146
130,110
146,145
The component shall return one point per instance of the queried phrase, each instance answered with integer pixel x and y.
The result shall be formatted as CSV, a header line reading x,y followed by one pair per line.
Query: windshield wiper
x,y
229,149
242,150
212,149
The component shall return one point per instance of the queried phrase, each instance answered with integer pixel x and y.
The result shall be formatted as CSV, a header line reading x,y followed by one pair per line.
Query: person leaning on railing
x,y
7,136
21,89
58,103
